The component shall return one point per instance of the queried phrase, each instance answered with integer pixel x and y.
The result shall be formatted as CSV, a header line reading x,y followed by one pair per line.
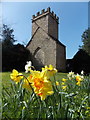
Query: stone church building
x,y
44,45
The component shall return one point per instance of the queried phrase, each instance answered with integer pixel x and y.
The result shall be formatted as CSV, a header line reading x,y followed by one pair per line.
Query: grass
x,y
6,78
72,103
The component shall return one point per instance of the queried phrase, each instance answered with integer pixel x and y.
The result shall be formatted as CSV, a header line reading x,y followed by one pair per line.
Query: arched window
x,y
39,55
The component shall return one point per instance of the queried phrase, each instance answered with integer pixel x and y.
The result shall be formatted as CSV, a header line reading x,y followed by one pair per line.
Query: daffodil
x,y
16,76
78,79
64,87
28,66
82,72
44,90
64,80
63,83
41,85
24,107
78,83
49,70
57,83
71,75
27,83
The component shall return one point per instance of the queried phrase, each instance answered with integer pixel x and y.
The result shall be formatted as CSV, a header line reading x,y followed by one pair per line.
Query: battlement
x,y
45,12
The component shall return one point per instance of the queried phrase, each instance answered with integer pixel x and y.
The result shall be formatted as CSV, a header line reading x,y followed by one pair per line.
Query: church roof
x,y
57,41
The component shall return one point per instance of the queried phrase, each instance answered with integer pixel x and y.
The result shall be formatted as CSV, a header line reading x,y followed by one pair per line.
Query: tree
x,y
13,56
6,36
86,41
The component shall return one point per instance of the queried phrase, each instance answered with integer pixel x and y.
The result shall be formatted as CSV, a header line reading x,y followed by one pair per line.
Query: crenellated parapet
x,y
45,12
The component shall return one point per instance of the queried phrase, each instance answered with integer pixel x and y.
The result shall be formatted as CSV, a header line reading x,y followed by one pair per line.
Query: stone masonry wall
x,y
42,22
61,58
44,45
52,27
48,47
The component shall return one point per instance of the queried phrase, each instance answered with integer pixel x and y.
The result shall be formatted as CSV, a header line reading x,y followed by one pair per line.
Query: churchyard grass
x,y
72,102
6,77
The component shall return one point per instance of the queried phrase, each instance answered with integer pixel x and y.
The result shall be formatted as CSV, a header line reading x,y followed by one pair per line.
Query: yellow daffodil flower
x,y
64,80
49,71
57,83
78,83
63,83
64,87
27,83
42,87
40,84
16,76
78,79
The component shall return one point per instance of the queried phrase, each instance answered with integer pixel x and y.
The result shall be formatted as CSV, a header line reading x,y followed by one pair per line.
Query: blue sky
x,y
73,21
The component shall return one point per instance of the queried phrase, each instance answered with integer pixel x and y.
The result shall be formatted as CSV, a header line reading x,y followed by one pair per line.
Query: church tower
x,y
48,21
44,45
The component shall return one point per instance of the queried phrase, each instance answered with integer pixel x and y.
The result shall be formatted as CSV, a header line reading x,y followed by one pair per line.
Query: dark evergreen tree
x,y
86,41
7,36
13,56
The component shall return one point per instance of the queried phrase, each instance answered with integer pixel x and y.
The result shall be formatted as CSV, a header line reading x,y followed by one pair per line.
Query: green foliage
x,y
71,104
86,41
16,55
0,96
7,36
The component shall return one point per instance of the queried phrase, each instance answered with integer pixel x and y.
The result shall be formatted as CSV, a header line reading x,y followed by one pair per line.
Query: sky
x,y
73,21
